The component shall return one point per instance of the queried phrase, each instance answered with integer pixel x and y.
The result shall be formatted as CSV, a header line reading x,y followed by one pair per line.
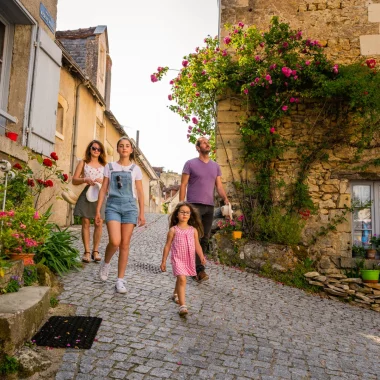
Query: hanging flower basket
x,y
27,258
11,135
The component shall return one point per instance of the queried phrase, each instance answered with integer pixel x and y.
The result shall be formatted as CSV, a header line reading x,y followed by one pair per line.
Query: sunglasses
x,y
119,183
95,149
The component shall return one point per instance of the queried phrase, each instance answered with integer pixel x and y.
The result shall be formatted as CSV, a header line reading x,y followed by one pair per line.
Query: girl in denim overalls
x,y
122,214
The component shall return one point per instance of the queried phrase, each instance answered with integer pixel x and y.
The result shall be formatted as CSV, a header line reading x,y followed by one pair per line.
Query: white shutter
x,y
43,112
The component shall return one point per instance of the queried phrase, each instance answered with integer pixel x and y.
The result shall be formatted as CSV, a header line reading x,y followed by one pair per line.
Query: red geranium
x,y
65,177
40,181
54,156
17,166
47,162
371,63
31,182
48,183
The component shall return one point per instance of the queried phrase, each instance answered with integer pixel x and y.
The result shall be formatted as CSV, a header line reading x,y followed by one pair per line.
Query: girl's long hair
x,y
194,220
132,155
102,156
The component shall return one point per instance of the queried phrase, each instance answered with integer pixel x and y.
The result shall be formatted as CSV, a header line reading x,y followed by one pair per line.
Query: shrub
x,y
58,252
277,227
30,275
9,365
14,285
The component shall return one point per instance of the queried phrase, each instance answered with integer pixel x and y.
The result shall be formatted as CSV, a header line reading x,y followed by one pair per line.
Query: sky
x,y
142,36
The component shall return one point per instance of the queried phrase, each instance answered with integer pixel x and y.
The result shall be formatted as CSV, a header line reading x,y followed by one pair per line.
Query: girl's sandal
x,y
95,256
182,310
175,298
86,257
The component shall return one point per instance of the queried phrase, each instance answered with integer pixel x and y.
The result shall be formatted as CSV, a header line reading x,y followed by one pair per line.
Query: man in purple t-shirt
x,y
201,176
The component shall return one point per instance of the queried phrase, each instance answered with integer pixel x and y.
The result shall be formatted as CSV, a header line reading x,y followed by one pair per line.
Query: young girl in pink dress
x,y
183,242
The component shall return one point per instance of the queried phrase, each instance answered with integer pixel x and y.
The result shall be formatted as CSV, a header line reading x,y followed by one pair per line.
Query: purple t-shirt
x,y
200,188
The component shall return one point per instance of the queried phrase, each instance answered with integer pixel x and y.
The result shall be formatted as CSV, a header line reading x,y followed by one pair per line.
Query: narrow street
x,y
240,326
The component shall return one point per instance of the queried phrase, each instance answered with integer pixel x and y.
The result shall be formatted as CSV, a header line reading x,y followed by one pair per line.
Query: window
x,y
365,221
59,126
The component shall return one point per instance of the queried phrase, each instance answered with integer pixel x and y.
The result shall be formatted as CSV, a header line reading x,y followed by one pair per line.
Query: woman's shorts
x,y
121,210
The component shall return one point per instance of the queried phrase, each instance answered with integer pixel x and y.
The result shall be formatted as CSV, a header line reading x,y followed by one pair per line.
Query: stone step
x,y
21,314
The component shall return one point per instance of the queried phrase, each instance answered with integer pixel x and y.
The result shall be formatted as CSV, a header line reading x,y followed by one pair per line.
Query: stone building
x,y
84,102
349,30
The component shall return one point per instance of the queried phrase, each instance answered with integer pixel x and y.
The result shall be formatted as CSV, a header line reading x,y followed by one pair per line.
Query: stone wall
x,y
339,26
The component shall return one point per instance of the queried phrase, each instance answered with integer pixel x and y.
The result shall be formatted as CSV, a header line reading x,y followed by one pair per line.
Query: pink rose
x,y
153,78
36,216
170,97
284,108
272,130
194,120
245,91
185,63
227,40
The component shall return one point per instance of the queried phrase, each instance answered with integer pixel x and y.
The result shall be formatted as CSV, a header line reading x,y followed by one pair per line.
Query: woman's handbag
x,y
72,192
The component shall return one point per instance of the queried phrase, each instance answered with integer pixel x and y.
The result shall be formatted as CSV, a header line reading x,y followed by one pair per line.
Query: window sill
x,y
59,135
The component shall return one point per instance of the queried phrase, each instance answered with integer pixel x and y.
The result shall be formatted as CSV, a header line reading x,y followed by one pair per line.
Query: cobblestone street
x,y
240,326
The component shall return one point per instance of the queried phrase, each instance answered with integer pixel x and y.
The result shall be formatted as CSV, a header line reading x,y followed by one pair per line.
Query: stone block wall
x,y
341,27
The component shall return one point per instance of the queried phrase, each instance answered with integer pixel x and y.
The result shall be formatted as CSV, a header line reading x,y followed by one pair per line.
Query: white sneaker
x,y
104,271
120,286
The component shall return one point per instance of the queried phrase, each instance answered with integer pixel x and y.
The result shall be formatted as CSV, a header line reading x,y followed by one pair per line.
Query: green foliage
x,y
58,252
30,275
292,278
358,251
53,302
14,285
9,365
270,73
354,272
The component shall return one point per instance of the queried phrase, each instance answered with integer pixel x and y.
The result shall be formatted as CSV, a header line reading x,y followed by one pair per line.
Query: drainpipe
x,y
74,139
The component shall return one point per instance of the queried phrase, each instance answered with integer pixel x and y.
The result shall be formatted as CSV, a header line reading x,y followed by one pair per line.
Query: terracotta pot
x,y
11,135
236,234
370,253
27,258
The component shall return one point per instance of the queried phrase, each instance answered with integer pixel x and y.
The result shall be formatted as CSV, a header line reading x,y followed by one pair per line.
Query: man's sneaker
x,y
202,276
104,271
120,286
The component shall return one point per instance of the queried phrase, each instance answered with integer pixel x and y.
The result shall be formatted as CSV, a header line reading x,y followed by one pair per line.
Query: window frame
x,y
375,206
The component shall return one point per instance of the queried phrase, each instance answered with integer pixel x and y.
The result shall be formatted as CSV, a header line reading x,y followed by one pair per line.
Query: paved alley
x,y
240,326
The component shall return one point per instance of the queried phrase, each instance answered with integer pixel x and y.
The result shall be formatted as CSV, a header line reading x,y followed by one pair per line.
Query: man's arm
x,y
220,190
182,189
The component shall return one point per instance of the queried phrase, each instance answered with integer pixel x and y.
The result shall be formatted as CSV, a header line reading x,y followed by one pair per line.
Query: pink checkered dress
x,y
183,252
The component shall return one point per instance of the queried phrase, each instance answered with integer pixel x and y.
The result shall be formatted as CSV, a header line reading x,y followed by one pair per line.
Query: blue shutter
x,y
43,112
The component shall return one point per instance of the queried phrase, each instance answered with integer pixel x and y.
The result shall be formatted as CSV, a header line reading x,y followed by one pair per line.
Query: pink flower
x,y
227,40
272,130
295,77
257,58
241,25
286,71
261,44
194,85
268,77
335,69
170,97
171,82
371,63
36,216
22,226
153,78
185,63
203,72
272,67
307,63
284,108
10,213
194,120
292,100
224,53
159,69
294,72
245,91
285,44
252,84
197,94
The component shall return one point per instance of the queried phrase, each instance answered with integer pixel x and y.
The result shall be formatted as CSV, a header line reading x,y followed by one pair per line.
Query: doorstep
x,y
21,314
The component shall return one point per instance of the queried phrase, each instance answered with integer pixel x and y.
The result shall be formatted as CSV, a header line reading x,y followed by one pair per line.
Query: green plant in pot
x,y
370,276
371,251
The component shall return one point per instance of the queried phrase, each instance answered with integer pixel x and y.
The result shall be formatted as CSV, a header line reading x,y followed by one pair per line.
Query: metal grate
x,y
145,267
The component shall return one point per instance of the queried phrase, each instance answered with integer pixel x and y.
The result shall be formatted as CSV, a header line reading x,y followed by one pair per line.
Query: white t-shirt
x,y
136,173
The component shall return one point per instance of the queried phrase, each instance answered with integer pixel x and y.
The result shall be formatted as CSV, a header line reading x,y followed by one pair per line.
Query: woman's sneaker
x,y
104,271
120,286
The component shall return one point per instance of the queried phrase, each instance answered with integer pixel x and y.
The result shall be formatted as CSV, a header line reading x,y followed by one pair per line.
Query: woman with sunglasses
x,y
90,171
123,181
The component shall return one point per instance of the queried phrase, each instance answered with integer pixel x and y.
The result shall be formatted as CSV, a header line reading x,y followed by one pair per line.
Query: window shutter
x,y
43,112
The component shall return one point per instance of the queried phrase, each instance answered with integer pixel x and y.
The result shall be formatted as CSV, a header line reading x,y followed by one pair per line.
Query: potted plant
x,y
235,226
22,232
375,244
370,276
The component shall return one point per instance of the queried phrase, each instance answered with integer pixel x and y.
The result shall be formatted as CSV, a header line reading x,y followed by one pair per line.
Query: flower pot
x,y
27,258
236,234
370,275
11,135
370,253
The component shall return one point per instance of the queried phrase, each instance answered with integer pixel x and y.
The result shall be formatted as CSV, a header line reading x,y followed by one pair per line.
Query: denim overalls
x,y
121,205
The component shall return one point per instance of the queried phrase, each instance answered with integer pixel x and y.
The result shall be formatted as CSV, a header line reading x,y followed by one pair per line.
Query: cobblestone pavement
x,y
240,326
